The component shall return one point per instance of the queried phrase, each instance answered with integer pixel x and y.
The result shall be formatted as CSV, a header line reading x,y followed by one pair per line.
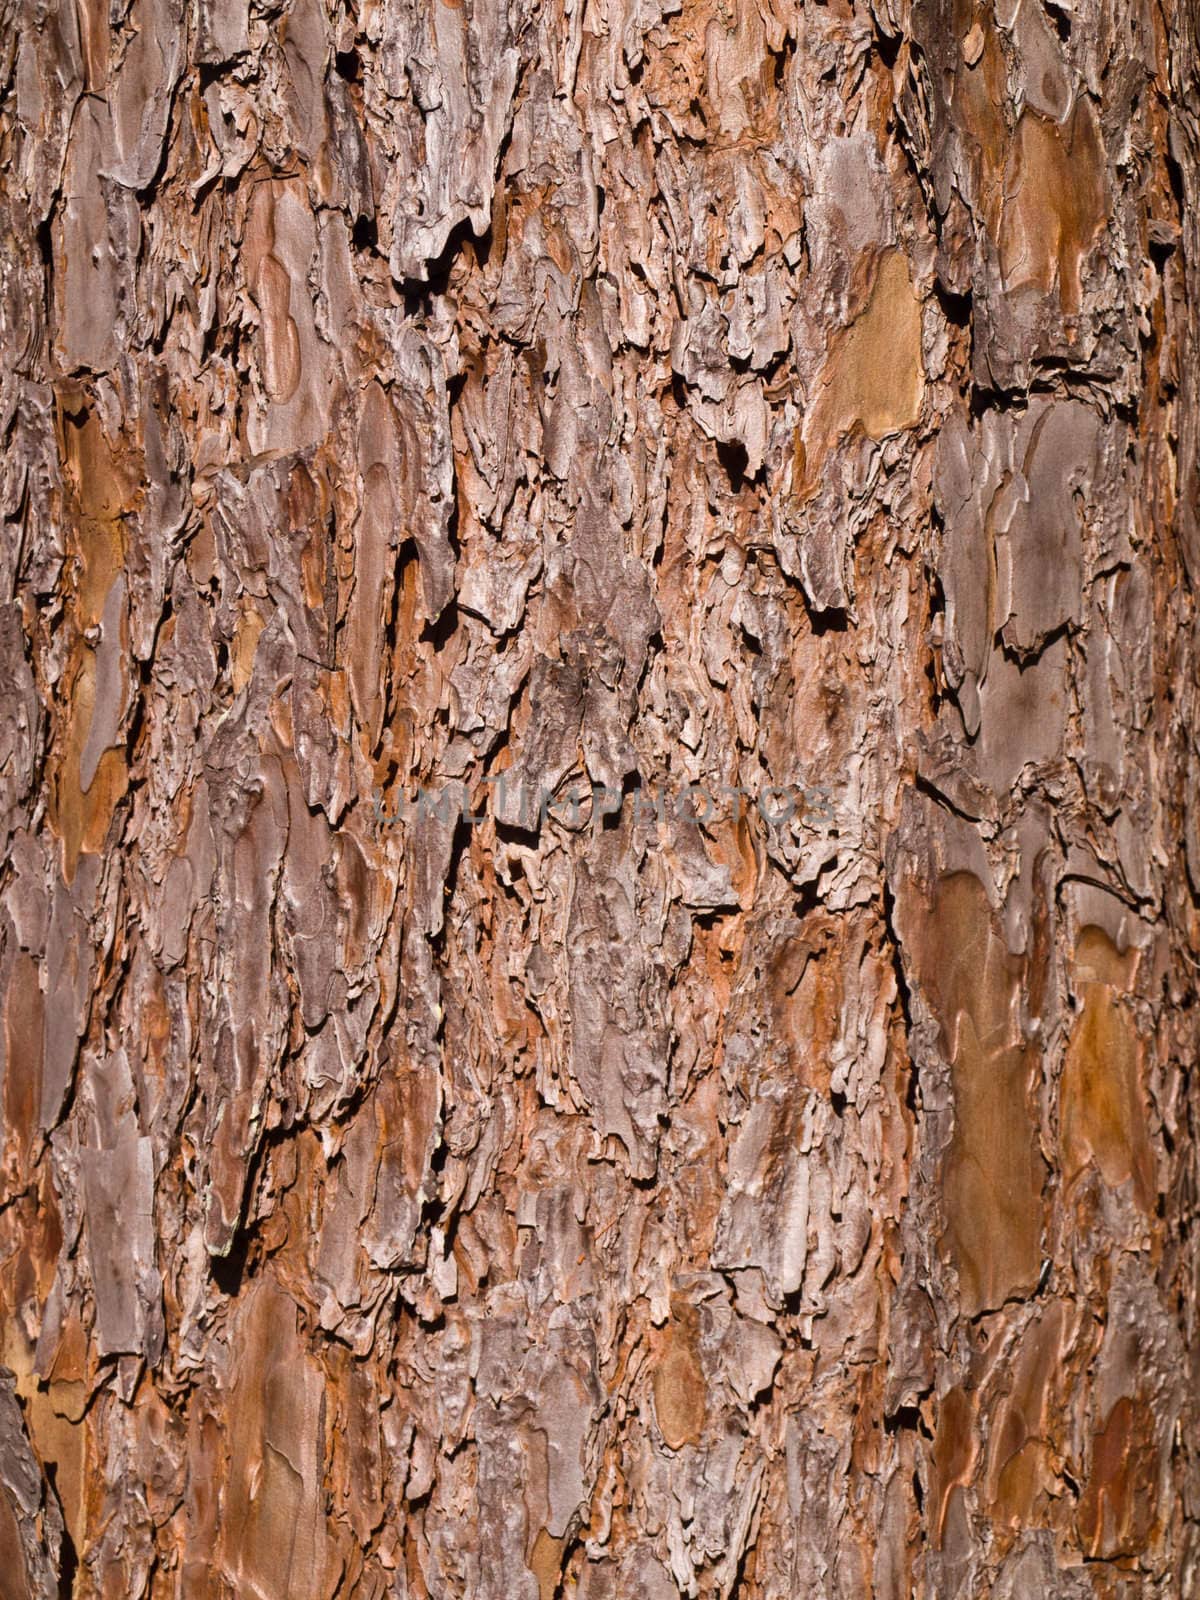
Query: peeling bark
x,y
600,901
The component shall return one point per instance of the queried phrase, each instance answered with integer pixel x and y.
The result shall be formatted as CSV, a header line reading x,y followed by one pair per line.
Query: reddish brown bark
x,y
750,1149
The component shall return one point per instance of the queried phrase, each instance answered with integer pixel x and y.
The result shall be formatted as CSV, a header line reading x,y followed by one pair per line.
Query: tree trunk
x,y
599,930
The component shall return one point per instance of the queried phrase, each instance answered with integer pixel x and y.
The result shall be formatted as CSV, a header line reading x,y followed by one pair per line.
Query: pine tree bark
x,y
599,923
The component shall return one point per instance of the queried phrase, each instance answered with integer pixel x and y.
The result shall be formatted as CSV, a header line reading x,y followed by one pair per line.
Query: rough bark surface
x,y
614,1201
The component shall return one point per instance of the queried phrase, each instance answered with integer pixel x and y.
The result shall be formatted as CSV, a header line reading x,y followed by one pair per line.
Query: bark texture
x,y
640,394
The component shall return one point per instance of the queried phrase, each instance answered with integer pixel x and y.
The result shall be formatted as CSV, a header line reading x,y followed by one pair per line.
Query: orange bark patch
x,y
1103,1117
980,95
272,289
23,1022
1019,1466
53,1413
954,1453
250,625
1054,203
874,378
993,1175
80,816
1116,1513
679,1396
102,488
545,1562
274,1533
1041,185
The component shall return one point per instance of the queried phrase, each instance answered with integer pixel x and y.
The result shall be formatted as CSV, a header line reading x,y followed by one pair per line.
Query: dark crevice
x,y
571,1549
438,269
514,833
458,847
229,1270
433,1208
926,786
905,1418
983,400
1024,659
807,899
364,235
439,633
956,308
887,46
406,555
208,73
828,619
732,456
45,243
137,716
68,1557
1175,179
934,671
905,997
1061,22
751,645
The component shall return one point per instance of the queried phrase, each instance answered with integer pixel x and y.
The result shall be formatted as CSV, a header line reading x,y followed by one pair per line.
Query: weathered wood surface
x,y
644,395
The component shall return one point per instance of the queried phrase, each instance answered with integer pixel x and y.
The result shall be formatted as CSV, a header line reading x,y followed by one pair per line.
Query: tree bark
x,y
599,929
